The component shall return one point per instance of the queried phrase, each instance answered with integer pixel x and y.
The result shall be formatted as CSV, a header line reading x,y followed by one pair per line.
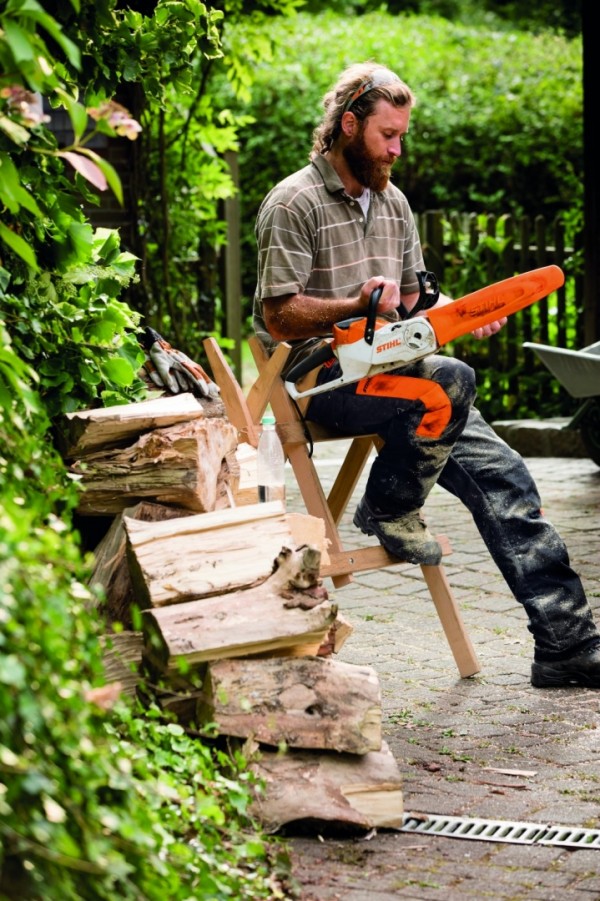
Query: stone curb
x,y
541,438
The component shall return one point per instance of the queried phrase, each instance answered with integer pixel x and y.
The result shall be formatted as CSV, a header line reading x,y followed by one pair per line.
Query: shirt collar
x,y
331,179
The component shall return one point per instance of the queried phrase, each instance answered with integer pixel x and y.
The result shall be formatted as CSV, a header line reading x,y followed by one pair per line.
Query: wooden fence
x,y
466,251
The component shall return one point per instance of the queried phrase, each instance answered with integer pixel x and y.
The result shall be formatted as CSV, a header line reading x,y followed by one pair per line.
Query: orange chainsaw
x,y
367,345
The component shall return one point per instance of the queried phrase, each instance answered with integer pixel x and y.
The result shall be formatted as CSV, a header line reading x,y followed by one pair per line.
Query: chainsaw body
x,y
362,354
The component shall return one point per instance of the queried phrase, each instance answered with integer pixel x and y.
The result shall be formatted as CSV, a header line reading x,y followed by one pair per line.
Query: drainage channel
x,y
501,831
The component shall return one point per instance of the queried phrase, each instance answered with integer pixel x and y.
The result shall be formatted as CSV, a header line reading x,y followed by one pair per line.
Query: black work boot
x,y
406,537
580,669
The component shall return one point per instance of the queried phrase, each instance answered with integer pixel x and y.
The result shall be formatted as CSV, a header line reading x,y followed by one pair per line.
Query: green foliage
x,y
60,282
155,45
162,54
77,334
201,798
562,15
95,802
487,134
31,475
186,141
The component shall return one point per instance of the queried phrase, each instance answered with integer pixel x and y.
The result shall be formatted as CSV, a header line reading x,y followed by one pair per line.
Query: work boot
x,y
406,537
580,669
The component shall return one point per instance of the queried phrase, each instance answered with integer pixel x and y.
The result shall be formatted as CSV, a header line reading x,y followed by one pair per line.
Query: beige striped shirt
x,y
314,239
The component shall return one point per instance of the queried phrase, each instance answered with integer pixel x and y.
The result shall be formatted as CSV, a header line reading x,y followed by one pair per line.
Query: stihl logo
x,y
388,345
489,305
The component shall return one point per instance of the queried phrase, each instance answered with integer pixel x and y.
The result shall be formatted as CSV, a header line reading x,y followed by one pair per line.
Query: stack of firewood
x,y
238,634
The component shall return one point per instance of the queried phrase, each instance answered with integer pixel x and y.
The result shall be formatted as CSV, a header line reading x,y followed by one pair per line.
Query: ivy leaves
x,y
73,329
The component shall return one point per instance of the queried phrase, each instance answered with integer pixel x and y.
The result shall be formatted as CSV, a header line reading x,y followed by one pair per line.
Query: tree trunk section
x,y
273,615
180,465
215,553
307,702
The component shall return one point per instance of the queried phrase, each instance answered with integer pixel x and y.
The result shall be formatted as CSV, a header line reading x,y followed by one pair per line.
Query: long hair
x,y
340,98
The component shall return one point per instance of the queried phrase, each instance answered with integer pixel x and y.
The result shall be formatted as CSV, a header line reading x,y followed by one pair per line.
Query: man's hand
x,y
487,330
172,369
390,296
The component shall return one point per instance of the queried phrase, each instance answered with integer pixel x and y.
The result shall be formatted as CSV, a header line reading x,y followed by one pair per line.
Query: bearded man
x,y
328,236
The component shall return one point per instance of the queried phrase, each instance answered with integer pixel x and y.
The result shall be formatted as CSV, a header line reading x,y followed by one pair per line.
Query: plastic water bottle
x,y
270,463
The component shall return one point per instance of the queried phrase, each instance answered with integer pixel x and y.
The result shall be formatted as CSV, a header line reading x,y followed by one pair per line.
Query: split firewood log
x,y
86,431
262,618
179,465
327,792
214,553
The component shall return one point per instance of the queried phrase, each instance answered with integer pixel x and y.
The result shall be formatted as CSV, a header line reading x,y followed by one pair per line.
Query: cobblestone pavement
x,y
451,735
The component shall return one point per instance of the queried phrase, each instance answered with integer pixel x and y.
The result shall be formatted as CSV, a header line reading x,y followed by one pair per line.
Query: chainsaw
x,y
367,345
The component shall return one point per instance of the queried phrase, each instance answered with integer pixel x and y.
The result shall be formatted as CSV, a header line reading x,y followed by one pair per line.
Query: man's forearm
x,y
299,316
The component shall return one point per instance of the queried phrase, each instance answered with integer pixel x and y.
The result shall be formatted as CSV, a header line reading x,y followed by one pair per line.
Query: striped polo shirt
x,y
314,239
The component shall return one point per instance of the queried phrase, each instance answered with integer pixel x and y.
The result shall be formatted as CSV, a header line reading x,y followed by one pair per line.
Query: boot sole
x,y
557,679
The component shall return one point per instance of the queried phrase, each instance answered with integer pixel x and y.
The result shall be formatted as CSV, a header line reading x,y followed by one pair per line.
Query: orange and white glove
x,y
172,369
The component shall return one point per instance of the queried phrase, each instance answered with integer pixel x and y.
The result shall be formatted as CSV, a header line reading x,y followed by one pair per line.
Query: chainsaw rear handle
x,y
372,314
320,356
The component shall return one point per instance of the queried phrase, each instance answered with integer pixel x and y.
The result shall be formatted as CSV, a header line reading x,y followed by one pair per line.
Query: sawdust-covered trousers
x,y
433,434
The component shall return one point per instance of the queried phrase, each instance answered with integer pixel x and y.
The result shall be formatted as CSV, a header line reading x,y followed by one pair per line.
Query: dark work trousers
x,y
470,461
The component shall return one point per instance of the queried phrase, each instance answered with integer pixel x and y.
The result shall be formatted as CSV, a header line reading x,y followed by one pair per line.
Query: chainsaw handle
x,y
429,294
320,356
372,314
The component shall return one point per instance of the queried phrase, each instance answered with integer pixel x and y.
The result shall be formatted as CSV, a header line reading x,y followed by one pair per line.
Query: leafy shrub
x,y
73,328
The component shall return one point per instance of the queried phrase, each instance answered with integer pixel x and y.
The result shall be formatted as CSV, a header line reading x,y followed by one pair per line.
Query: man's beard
x,y
371,172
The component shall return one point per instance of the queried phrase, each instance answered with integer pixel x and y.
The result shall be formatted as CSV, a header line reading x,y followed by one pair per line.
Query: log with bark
x,y
282,611
179,465
214,553
179,703
328,792
307,702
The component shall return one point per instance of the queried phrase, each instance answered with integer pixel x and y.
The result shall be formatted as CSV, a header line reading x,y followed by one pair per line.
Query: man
x,y
327,236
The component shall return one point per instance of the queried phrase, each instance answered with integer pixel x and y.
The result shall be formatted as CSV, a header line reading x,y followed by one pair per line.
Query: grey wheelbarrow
x,y
578,371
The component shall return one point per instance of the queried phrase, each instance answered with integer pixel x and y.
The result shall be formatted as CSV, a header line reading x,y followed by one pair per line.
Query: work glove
x,y
172,369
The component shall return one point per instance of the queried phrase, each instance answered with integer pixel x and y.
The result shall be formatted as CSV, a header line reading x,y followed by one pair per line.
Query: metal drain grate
x,y
502,831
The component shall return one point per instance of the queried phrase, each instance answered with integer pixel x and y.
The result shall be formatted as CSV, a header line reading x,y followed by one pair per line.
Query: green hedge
x,y
497,127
